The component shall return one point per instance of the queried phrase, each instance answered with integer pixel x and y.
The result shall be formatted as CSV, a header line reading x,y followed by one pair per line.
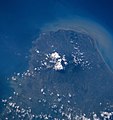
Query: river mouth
x,y
103,38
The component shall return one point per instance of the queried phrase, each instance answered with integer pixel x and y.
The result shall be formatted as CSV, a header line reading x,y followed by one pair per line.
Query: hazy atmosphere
x,y
59,53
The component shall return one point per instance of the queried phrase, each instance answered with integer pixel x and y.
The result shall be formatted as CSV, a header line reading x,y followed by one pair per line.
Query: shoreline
x,y
99,51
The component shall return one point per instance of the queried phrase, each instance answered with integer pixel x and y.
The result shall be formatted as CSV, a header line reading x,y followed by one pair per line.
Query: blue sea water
x,y
20,23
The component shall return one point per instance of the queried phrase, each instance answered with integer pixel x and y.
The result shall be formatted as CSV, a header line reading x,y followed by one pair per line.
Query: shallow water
x,y
103,38
20,25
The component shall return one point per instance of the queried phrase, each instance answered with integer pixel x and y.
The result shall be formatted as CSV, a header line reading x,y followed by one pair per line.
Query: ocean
x,y
22,21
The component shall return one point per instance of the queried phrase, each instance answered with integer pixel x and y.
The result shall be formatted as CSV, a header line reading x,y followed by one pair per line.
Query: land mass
x,y
66,77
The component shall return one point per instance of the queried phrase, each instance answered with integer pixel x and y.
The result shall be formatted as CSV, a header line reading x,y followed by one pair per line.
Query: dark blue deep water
x,y
20,23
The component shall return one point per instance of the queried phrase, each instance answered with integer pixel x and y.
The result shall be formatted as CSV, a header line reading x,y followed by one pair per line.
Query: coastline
x,y
102,57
